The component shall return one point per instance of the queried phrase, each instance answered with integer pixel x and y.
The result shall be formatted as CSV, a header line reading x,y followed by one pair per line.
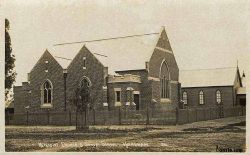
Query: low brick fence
x,y
119,116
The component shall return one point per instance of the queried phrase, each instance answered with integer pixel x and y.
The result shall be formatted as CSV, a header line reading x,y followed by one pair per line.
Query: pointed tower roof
x,y
163,41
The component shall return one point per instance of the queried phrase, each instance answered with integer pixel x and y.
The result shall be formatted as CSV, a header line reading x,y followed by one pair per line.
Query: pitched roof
x,y
116,54
121,52
208,77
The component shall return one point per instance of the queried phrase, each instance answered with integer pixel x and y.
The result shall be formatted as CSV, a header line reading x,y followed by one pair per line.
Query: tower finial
x,y
243,74
237,63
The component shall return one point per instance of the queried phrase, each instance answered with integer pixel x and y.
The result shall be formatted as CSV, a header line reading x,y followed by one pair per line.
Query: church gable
x,y
163,54
86,66
84,60
46,69
46,58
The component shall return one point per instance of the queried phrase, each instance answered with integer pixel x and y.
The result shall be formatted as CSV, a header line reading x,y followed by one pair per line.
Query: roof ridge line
x,y
207,69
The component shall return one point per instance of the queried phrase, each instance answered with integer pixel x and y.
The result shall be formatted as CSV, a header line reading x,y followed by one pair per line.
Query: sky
x,y
203,34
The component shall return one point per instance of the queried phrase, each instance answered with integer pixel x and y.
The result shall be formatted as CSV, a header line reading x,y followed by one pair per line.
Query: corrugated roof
x,y
208,77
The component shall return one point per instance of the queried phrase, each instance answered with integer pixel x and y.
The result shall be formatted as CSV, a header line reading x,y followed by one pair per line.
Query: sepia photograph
x,y
126,75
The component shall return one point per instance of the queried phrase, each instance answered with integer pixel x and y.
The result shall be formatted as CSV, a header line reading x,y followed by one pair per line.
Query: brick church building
x,y
116,78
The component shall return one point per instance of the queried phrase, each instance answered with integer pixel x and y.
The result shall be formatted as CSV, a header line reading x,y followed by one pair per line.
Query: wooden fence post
x,y
94,115
8,117
27,117
177,115
196,113
70,118
204,114
48,116
147,122
76,118
210,113
120,120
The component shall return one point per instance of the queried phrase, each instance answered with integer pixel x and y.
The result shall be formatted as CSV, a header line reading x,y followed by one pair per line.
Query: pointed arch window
x,y
164,87
85,82
218,96
165,81
47,92
201,97
185,98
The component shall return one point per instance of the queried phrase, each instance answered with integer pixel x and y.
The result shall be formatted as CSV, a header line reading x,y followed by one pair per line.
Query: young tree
x,y
10,73
81,100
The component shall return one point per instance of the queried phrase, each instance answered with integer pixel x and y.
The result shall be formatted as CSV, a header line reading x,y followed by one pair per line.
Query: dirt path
x,y
198,136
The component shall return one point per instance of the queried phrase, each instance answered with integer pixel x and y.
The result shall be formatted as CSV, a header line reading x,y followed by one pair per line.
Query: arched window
x,y
218,96
85,82
47,92
185,98
201,97
165,80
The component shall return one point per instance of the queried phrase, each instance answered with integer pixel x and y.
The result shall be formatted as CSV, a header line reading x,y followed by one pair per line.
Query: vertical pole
x,y
87,116
120,120
64,91
105,115
76,117
27,117
210,113
48,116
70,118
188,115
7,116
147,123
82,120
177,115
126,112
196,117
94,115
204,113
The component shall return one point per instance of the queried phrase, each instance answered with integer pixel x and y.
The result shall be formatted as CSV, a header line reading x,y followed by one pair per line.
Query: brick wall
x,y
144,87
123,86
209,96
94,72
38,76
159,55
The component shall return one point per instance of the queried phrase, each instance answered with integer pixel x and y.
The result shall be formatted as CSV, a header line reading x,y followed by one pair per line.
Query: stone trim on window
x,y
118,95
46,94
